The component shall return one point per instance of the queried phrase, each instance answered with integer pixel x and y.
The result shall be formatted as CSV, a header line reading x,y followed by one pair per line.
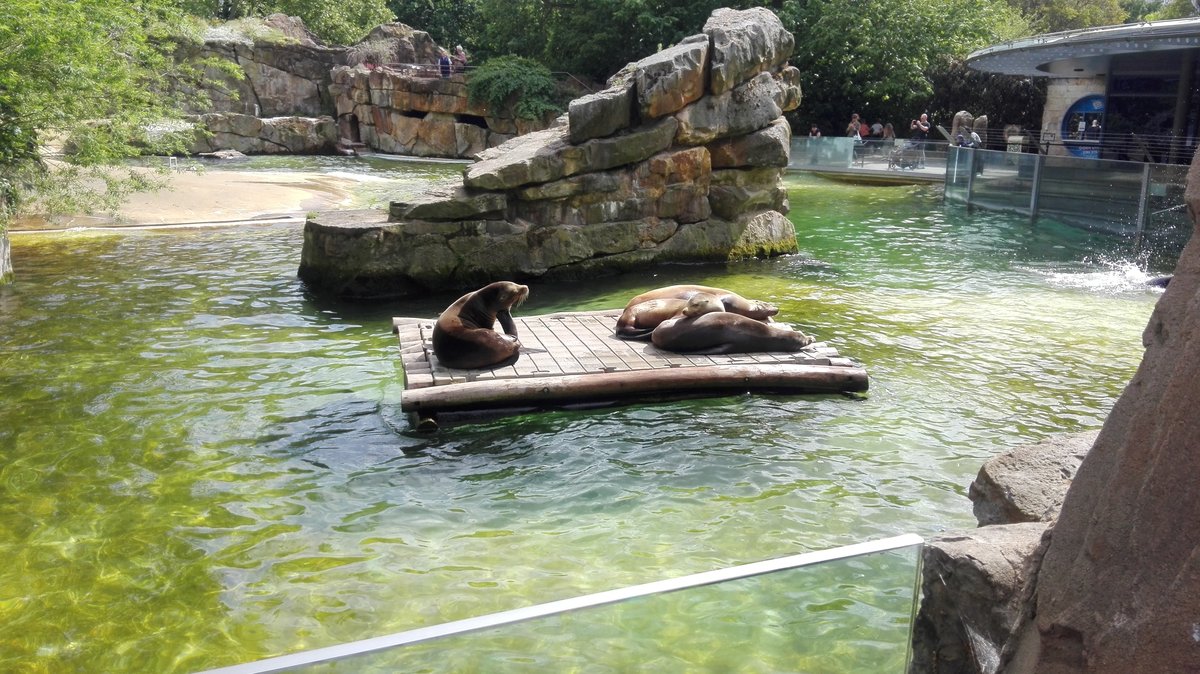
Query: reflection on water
x,y
203,465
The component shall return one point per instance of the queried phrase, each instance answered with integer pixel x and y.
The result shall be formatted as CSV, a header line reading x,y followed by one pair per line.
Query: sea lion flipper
x,y
506,322
630,332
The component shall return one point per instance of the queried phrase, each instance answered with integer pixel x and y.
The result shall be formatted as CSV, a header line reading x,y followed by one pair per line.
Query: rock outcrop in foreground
x,y
679,159
1113,584
974,582
1119,587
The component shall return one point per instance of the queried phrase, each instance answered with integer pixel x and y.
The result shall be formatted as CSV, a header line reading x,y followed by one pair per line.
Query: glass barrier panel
x,y
958,174
1099,194
821,152
837,615
1004,180
1168,226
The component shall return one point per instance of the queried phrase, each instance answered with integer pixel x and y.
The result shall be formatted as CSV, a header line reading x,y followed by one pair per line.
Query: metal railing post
x,y
970,175
1036,192
1143,207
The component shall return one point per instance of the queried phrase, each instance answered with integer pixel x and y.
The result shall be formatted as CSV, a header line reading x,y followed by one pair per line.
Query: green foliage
x,y
514,83
594,38
335,22
1140,10
450,22
876,58
341,22
1003,98
88,74
598,38
1047,16
517,27
1173,9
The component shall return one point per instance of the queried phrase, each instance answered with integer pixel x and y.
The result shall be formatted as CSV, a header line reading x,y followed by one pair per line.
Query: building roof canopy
x,y
1084,53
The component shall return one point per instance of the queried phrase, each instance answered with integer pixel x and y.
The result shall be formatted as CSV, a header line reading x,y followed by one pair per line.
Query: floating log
x,y
575,357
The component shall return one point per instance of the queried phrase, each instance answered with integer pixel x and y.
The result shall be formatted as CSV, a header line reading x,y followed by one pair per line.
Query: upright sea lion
x,y
644,312
464,336
704,327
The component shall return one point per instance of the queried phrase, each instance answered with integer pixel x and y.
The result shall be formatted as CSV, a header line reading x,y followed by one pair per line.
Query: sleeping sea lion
x,y
644,312
464,336
704,327
639,320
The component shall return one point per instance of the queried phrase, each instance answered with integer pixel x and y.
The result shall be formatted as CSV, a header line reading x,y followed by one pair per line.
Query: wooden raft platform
x,y
574,358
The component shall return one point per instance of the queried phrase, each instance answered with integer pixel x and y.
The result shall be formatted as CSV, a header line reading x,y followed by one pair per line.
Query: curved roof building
x,y
1120,92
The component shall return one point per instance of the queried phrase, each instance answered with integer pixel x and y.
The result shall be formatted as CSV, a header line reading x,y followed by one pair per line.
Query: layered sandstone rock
x,y
287,82
412,110
680,158
254,135
285,71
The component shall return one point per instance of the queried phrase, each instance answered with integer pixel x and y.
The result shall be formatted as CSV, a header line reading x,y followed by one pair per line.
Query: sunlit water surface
x,y
203,465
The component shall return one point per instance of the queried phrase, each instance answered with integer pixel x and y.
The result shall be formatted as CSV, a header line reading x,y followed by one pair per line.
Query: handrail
x,y
459,69
457,627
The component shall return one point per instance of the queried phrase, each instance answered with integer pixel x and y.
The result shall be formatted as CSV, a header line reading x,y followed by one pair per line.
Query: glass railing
x,y
874,154
1141,202
848,609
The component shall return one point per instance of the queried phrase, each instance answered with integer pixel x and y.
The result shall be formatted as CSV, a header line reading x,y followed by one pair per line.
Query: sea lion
x,y
464,336
705,327
639,320
644,312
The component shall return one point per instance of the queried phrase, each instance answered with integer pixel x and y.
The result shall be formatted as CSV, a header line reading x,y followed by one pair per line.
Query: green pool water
x,y
204,465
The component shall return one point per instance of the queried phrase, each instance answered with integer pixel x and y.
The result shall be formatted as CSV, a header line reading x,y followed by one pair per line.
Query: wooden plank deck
x,y
575,357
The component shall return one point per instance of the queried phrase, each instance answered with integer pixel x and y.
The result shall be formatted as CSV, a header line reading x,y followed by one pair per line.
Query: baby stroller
x,y
906,156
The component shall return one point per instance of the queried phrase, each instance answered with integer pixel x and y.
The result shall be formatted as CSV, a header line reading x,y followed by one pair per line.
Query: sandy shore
x,y
219,196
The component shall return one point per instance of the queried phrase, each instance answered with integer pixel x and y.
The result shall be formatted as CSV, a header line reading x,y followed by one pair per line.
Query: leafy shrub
x,y
514,83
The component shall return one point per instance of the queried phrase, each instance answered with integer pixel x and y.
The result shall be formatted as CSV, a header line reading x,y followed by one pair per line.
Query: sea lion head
x,y
503,295
760,310
702,303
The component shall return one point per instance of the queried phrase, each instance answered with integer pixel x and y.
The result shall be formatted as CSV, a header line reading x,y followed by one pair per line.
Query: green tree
x,y
450,22
339,22
1005,99
89,75
514,83
1048,16
1174,9
335,22
598,38
878,58
513,27
1141,10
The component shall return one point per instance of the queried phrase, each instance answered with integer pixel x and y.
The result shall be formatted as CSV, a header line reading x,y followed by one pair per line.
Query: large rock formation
x,y
285,71
414,111
286,97
1119,587
679,159
273,135
972,597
